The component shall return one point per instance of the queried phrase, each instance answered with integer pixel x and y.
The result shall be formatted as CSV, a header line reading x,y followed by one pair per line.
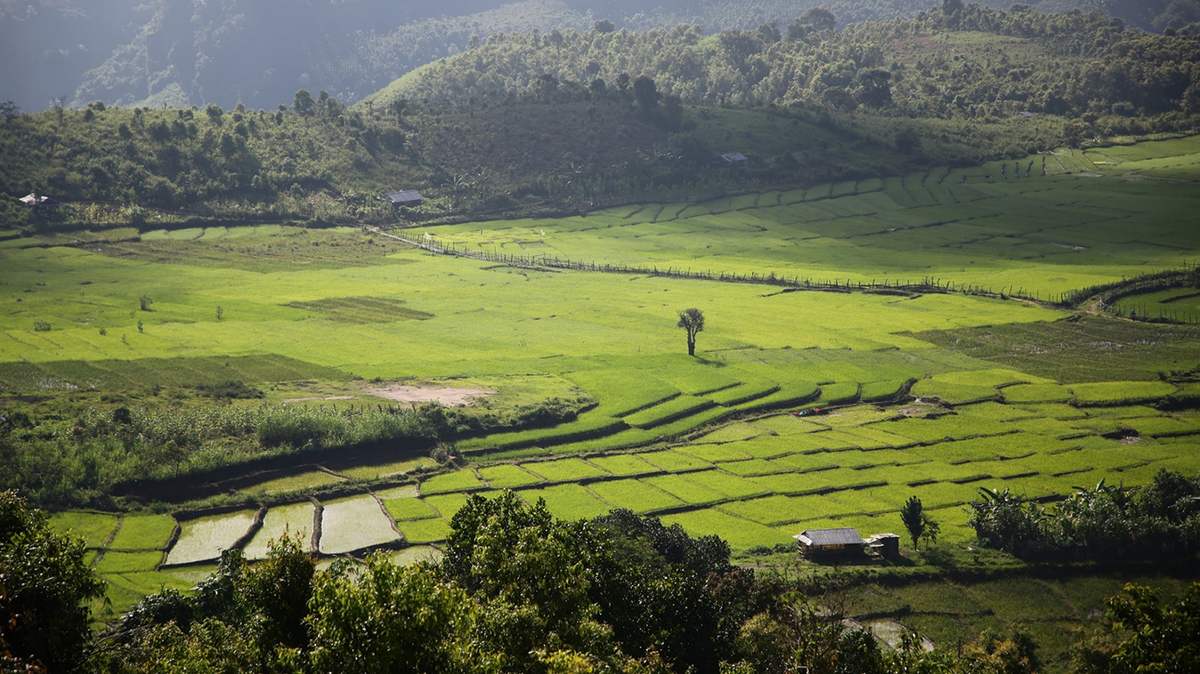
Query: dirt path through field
x,y
450,396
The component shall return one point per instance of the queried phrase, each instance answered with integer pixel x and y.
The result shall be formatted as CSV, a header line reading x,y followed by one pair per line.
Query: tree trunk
x,y
691,346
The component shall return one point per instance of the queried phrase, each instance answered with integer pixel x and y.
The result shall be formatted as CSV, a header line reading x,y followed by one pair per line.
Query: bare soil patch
x,y
451,396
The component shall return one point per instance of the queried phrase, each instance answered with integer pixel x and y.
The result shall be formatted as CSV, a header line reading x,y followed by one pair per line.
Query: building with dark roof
x,y
405,198
830,542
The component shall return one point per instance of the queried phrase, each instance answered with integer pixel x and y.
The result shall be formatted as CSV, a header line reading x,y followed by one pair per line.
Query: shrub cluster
x,y
1158,521
78,459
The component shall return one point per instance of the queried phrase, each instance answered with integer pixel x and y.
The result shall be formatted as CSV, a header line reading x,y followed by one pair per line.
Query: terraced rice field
x,y
757,482
772,429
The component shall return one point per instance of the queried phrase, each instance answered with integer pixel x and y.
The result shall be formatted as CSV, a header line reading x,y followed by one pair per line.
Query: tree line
x,y
1160,521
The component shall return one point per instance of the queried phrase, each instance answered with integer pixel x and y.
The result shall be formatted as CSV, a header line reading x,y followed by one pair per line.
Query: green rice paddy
x,y
772,429
1037,234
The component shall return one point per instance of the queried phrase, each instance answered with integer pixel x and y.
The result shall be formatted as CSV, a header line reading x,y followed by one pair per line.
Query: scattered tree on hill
x,y
9,111
819,19
645,92
692,321
303,103
398,107
918,522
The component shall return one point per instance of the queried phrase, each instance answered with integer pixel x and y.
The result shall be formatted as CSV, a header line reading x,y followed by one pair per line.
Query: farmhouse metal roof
x,y
33,199
404,196
734,157
822,537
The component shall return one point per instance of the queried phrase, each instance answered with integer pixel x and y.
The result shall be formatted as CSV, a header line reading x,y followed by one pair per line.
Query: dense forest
x,y
627,115
968,62
258,53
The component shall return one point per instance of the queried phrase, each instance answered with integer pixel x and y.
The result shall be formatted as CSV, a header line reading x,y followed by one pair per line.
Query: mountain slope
x,y
978,63
259,52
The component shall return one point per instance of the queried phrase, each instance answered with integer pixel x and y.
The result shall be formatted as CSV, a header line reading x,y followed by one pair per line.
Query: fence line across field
x,y
548,263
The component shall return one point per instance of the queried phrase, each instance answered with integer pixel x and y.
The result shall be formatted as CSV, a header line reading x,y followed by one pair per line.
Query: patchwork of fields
x,y
754,482
803,409
1039,226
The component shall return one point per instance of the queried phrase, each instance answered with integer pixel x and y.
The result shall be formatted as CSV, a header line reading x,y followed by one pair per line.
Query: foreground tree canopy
x,y
518,591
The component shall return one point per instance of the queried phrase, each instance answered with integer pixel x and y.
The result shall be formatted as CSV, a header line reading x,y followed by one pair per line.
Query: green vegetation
x,y
1151,522
795,413
846,108
621,592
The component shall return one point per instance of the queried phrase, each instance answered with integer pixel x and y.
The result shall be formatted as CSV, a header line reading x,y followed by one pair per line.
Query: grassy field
x,y
784,421
1178,304
1039,226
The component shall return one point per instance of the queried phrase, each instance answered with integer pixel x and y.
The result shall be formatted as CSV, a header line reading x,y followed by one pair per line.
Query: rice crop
x,y
1121,392
299,482
128,562
564,470
568,501
671,410
674,462
716,453
623,465
405,509
739,533
635,495
93,528
372,472
425,531
416,554
455,480
143,532
507,476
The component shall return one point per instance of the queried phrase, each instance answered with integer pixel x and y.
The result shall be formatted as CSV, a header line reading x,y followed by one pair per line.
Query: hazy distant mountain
x,y
259,52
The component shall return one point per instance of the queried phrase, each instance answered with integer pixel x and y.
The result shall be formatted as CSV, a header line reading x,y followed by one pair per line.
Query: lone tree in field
x,y
917,522
691,320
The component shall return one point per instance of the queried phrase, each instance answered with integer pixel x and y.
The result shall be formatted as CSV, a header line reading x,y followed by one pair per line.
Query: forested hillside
x,y
574,120
259,52
971,62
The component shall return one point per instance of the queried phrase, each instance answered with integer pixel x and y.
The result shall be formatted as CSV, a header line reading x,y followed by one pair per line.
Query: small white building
x,y
33,199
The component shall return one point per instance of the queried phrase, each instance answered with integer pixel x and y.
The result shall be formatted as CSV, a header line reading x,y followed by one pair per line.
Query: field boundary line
x,y
925,286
